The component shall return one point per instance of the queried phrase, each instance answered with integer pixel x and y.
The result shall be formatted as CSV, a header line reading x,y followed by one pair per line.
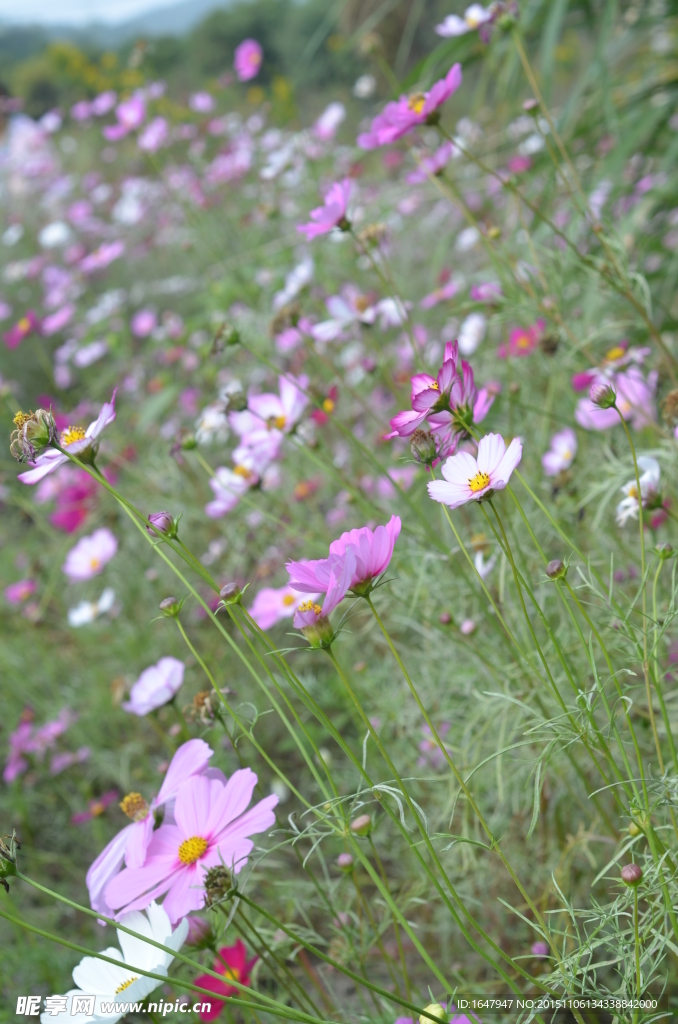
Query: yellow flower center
x,y
362,303
479,543
524,341
72,434
22,418
24,323
94,564
192,849
278,422
242,471
288,600
479,481
614,353
126,984
435,386
97,808
328,405
309,606
633,491
232,974
416,102
134,806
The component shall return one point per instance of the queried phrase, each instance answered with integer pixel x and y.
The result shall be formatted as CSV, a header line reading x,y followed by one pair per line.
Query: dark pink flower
x,y
403,115
332,215
28,324
232,962
247,59
522,340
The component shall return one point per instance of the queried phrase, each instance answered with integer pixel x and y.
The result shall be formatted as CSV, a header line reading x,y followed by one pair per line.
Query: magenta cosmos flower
x,y
89,556
468,479
403,115
212,828
354,561
332,214
82,443
156,685
28,324
17,593
247,59
522,340
130,845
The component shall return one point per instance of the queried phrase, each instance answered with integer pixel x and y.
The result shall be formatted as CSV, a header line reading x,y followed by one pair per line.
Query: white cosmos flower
x,y
474,17
468,479
649,489
110,984
88,611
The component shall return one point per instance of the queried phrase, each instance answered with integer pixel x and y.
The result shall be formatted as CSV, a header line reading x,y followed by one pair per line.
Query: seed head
x,y
34,432
218,885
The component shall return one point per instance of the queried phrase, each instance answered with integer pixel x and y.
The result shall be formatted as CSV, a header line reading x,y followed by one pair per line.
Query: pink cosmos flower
x,y
102,257
354,561
201,102
273,604
212,827
26,739
279,412
130,845
130,114
468,479
431,165
154,135
81,111
522,340
17,593
332,215
95,808
156,685
232,962
403,115
57,321
28,324
229,486
247,59
143,323
104,102
486,291
442,294
561,453
90,555
326,126
83,443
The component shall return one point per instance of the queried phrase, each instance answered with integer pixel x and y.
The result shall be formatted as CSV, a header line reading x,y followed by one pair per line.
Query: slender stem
x,y
655,659
637,943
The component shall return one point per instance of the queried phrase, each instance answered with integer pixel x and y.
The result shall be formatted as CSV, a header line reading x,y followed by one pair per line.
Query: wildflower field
x,y
339,506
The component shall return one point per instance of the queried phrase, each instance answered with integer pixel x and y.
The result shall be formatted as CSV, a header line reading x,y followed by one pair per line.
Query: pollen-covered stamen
x,y
127,983
479,482
243,471
614,353
192,849
276,421
24,324
435,386
288,600
134,806
309,606
416,102
72,434
22,418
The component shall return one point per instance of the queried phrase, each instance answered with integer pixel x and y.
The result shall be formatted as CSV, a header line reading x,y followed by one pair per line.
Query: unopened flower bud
x,y
345,862
361,826
164,523
231,593
531,106
664,551
170,607
435,1010
199,933
445,619
539,949
468,627
632,874
556,569
634,829
423,447
602,395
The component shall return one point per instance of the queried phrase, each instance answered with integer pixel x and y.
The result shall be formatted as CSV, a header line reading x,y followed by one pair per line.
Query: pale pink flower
x,y
130,845
326,126
228,486
55,322
429,166
89,556
156,685
212,828
201,102
635,401
273,604
442,294
143,323
17,593
247,59
82,443
154,135
332,214
468,479
102,257
561,453
403,115
104,102
130,114
283,411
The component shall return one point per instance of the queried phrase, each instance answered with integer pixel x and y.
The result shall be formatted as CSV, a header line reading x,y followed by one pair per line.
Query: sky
x,y
74,12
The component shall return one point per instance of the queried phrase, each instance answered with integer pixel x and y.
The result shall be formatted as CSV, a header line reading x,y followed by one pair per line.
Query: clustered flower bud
x,y
602,395
632,874
34,432
556,569
164,523
8,858
218,885
424,447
